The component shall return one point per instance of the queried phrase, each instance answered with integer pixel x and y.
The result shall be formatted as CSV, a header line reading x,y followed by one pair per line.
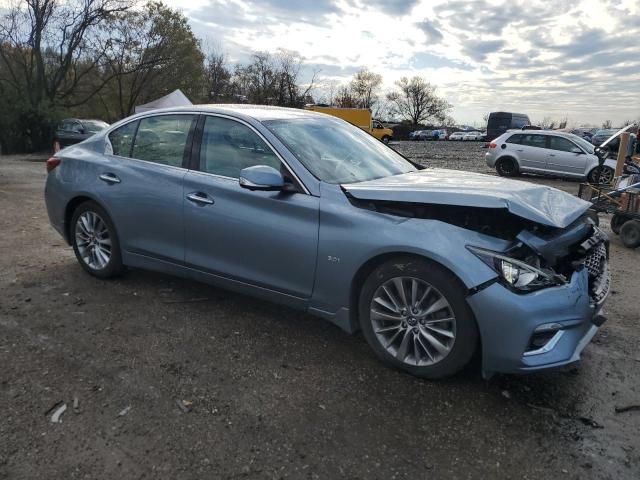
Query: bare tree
x,y
344,98
47,45
364,87
416,100
218,76
607,124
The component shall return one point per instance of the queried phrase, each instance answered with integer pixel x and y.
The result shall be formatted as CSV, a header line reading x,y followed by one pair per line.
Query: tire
x,y
93,240
386,139
606,175
630,234
392,332
616,223
507,167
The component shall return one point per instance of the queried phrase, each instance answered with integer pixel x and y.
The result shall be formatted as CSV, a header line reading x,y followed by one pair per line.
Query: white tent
x,y
174,99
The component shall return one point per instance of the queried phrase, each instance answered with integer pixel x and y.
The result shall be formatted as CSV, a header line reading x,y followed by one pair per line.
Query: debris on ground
x,y
506,394
627,408
184,405
76,405
124,411
57,414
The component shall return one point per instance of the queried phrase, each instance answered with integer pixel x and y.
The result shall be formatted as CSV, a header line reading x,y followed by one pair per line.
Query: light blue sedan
x,y
304,209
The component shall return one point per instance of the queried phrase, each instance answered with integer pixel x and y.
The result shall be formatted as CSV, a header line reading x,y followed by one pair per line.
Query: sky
x,y
553,58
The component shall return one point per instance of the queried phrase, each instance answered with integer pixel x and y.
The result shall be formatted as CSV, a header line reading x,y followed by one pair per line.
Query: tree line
x,y
101,58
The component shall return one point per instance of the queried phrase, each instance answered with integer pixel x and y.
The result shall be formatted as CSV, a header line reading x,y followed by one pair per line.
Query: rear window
x,y
538,141
121,139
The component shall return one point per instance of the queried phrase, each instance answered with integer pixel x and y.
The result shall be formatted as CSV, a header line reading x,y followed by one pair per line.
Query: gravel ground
x,y
179,380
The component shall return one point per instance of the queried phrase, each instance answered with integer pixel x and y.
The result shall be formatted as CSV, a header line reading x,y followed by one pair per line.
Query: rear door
x,y
563,159
531,151
142,184
266,239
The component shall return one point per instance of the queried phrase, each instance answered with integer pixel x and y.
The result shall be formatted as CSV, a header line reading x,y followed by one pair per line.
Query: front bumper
x,y
507,321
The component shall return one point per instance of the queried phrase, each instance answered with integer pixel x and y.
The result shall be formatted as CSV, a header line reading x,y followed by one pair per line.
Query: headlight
x,y
516,273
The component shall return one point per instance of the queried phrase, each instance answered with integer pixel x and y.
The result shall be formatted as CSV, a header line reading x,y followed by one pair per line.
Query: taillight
x,y
493,145
52,163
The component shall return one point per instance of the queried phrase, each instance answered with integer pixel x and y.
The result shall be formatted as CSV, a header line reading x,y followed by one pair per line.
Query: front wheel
x,y
386,139
414,316
95,242
616,223
606,175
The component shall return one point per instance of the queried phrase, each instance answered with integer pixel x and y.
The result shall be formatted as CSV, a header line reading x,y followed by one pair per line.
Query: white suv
x,y
546,152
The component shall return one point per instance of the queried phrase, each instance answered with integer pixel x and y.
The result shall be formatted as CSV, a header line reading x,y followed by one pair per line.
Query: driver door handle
x,y
200,198
109,178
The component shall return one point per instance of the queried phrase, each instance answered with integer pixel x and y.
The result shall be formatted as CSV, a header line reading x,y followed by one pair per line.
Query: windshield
x,y
586,146
337,152
94,126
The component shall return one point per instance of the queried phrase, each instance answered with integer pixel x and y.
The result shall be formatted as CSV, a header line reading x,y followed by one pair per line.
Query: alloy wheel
x,y
413,321
93,240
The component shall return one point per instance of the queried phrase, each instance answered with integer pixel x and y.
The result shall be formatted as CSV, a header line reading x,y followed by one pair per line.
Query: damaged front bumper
x,y
547,328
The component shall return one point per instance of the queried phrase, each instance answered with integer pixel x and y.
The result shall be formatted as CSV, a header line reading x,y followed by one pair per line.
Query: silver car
x,y
304,209
547,152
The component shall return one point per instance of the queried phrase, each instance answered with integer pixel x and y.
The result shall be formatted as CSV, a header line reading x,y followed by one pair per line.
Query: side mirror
x,y
576,150
261,177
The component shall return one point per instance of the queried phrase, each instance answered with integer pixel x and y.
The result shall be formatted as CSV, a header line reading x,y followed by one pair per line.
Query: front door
x,y
563,157
268,239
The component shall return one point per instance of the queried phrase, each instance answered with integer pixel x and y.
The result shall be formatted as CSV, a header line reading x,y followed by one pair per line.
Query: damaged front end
x,y
543,305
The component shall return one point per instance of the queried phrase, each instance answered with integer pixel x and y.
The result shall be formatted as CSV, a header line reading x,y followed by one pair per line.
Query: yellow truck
x,y
360,117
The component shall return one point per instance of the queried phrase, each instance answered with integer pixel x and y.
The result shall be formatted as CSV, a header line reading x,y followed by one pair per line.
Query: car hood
x,y
544,205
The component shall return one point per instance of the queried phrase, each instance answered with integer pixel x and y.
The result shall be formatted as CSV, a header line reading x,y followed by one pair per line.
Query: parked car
x,y
305,209
472,136
584,133
457,136
602,135
74,130
415,134
499,122
547,152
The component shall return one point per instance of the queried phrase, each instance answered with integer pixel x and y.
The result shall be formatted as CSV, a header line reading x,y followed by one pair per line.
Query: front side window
x,y
121,140
229,146
162,139
561,144
336,152
539,141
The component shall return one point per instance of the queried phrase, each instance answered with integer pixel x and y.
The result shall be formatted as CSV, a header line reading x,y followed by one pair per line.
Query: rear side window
x,y
229,146
162,139
561,144
121,139
517,138
539,141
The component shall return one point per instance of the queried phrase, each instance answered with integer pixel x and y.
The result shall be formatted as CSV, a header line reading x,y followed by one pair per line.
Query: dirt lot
x,y
179,380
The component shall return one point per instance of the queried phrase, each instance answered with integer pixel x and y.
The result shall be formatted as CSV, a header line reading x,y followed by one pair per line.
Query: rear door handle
x,y
200,198
109,178
520,150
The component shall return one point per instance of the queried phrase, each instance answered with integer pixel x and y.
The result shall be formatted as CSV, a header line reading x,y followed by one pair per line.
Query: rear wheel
x,y
386,139
616,223
630,234
507,167
95,242
606,175
414,316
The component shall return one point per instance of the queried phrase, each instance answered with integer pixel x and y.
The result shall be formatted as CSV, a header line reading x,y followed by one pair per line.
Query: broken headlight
x,y
522,275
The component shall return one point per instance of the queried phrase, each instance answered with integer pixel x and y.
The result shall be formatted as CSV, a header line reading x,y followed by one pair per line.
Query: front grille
x,y
597,265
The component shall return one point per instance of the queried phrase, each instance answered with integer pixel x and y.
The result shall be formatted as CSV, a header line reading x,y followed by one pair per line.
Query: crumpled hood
x,y
537,203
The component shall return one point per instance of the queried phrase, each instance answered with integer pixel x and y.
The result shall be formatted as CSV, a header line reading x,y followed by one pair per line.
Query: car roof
x,y
554,133
257,112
